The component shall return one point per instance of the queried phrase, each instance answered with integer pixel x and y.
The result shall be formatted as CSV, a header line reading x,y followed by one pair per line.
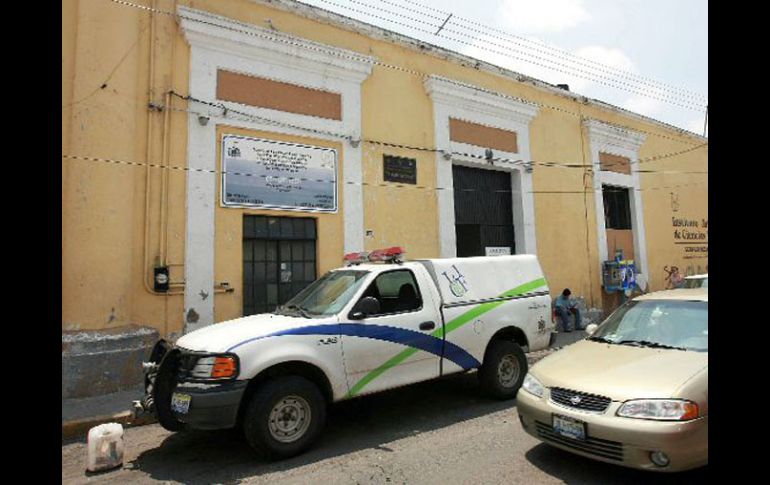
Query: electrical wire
x,y
364,184
618,84
229,111
699,101
556,52
396,67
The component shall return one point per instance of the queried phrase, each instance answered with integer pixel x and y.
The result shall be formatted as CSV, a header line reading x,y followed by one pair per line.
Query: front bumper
x,y
622,441
212,405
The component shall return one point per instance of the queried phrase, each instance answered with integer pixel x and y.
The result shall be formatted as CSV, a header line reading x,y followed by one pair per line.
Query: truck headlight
x,y
215,367
659,409
532,385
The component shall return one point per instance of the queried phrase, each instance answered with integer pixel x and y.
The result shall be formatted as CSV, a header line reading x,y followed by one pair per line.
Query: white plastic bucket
x,y
105,447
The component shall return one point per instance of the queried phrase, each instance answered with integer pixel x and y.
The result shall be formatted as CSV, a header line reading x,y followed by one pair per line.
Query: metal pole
x,y
706,121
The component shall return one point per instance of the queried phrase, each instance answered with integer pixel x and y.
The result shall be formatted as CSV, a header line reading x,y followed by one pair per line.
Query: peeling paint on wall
x,y
192,316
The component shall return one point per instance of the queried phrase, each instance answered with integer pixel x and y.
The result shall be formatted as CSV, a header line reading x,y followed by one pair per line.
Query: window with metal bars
x,y
617,207
279,260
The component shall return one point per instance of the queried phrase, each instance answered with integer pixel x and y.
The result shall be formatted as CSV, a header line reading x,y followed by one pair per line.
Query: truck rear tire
x,y
284,417
503,370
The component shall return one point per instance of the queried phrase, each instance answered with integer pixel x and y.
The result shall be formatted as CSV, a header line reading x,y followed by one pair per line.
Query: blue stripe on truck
x,y
409,338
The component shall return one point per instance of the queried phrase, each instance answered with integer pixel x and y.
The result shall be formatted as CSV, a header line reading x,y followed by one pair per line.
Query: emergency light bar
x,y
388,255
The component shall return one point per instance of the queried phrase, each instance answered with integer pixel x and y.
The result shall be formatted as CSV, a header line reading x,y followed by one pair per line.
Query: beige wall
x,y
107,265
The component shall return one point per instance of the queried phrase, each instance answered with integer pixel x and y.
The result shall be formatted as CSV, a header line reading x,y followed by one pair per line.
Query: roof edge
x,y
360,27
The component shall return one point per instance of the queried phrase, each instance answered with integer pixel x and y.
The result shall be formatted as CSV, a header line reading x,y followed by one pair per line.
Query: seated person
x,y
564,306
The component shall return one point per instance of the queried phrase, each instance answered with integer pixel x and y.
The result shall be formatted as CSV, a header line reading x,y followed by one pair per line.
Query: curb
x,y
78,428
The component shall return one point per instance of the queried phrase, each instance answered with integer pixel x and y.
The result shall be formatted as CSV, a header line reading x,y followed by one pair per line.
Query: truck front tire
x,y
163,387
503,370
284,417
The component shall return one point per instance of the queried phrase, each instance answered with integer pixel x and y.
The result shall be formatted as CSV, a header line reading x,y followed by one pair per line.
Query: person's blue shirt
x,y
562,302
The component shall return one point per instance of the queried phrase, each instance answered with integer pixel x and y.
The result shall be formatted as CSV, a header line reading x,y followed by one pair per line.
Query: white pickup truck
x,y
357,330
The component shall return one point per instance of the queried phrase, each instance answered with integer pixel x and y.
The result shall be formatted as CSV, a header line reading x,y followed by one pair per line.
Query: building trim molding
x,y
454,99
217,42
215,32
478,100
607,138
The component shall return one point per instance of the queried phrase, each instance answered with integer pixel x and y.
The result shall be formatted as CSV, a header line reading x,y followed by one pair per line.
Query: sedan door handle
x,y
427,326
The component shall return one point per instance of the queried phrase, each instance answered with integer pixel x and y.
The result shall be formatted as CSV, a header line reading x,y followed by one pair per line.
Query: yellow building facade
x,y
160,97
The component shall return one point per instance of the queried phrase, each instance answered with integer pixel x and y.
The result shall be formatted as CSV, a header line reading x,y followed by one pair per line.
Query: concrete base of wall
x,y
104,361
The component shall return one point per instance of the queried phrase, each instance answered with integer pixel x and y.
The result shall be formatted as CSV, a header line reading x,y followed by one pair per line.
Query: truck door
x,y
397,345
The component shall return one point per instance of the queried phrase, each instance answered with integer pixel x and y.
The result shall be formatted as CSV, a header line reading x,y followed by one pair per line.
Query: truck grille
x,y
579,400
594,446
186,363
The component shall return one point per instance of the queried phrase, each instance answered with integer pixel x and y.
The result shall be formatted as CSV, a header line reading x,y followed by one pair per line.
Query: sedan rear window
x,y
675,324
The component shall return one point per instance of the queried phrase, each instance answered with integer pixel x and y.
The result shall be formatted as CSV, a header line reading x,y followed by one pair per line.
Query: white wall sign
x,y
272,174
498,251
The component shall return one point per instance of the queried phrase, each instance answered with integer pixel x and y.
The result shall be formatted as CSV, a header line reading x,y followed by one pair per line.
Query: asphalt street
x,y
441,431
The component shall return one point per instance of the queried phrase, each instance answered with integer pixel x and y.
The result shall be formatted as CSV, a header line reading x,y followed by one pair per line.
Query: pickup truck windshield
x,y
673,324
326,295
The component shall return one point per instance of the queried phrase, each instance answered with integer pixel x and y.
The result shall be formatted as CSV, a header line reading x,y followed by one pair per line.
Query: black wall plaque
x,y
400,169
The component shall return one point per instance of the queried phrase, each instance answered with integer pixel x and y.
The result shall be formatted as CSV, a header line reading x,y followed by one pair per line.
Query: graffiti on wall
x,y
674,276
690,237
674,202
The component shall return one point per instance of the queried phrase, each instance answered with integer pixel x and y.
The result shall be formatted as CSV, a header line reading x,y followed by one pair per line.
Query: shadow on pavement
x,y
369,422
575,469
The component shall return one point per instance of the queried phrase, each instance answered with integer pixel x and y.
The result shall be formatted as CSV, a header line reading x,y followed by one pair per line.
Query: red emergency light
x,y
388,255
356,258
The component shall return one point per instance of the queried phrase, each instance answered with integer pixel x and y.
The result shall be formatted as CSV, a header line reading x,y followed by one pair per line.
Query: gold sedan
x,y
635,392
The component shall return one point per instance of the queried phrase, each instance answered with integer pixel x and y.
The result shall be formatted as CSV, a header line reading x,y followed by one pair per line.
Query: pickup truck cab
x,y
357,330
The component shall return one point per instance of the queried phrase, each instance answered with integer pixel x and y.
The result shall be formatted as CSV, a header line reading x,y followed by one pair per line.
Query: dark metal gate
x,y
483,210
279,259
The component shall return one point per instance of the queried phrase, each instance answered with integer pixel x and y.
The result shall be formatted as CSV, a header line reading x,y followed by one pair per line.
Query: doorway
x,y
279,260
483,211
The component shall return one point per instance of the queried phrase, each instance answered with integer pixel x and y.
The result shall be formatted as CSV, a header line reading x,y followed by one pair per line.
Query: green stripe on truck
x,y
458,322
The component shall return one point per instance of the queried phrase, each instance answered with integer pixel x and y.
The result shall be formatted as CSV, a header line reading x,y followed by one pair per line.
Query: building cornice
x,y
600,132
347,23
215,32
475,99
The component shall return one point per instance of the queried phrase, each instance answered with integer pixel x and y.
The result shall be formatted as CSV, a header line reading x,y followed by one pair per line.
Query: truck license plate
x,y
569,427
180,403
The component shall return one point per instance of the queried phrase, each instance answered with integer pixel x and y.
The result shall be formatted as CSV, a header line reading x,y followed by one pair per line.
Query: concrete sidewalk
x,y
80,415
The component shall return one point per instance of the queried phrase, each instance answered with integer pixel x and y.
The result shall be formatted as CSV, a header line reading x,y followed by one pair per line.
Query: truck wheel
x,y
284,417
504,368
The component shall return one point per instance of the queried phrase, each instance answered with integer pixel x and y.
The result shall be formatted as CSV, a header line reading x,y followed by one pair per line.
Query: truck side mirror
x,y
366,306
591,328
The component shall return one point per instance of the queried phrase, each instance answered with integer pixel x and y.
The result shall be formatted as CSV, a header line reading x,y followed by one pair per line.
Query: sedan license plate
x,y
569,427
180,403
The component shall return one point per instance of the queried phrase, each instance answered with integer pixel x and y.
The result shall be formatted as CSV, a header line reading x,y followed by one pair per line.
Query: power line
x,y
618,85
559,53
390,66
699,102
525,163
369,184
227,111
